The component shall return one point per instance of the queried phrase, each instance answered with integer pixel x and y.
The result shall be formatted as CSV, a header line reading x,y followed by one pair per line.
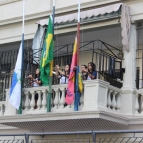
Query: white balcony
x,y
98,95
100,102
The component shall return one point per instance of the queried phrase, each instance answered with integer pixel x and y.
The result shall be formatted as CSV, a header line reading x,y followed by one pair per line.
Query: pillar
x,y
129,80
130,61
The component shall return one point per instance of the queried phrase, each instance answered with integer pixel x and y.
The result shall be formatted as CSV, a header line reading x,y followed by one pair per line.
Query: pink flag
x,y
70,88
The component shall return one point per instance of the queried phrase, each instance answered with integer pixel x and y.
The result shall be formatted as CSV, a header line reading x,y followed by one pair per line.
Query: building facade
x,y
111,37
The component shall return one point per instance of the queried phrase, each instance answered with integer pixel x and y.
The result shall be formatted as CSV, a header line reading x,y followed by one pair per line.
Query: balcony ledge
x,y
64,116
100,103
67,122
73,121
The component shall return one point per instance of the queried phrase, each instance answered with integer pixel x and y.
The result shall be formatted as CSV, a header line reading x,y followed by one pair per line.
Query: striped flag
x,y
15,91
46,63
71,81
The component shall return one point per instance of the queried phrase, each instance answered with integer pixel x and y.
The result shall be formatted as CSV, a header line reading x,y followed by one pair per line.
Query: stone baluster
x,y
69,106
109,99
32,103
114,101
44,101
137,104
23,100
60,92
72,105
52,98
1,109
39,102
118,101
82,99
26,104
56,99
141,103
62,100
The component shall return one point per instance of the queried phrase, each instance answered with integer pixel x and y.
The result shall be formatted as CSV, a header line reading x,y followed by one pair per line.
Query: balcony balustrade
x,y
97,95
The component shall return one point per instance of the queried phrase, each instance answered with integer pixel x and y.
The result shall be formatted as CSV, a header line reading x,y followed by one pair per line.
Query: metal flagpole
x,y
77,94
78,33
50,78
23,20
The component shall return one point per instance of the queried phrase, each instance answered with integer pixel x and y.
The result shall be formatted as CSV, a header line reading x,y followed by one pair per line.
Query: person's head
x,y
67,68
91,67
83,68
37,72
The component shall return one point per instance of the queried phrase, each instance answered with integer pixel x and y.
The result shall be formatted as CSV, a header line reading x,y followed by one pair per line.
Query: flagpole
x,y
23,20
78,33
77,95
51,66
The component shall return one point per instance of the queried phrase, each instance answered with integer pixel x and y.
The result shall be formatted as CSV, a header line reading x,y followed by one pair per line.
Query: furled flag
x,y
71,81
47,55
15,91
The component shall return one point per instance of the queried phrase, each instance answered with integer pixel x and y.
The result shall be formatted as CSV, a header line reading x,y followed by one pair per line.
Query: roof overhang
x,y
110,12
103,13
70,122
67,122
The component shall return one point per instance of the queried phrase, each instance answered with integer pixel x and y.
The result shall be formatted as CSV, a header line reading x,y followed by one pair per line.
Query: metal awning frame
x,y
93,19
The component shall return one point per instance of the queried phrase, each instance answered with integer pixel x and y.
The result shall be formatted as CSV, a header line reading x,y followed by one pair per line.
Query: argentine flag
x,y
15,91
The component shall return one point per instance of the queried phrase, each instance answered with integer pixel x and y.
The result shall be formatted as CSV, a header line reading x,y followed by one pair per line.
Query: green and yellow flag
x,y
46,63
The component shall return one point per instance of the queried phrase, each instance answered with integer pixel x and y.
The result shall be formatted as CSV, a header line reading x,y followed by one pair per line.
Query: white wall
x,y
11,15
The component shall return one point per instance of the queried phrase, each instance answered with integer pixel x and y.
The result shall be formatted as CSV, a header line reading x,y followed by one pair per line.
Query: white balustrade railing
x,y
100,95
30,105
97,95
113,98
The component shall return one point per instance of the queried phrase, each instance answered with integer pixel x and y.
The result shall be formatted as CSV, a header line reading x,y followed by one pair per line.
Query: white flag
x,y
15,91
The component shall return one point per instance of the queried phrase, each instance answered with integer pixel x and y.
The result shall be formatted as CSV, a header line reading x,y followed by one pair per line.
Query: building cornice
x,y
59,11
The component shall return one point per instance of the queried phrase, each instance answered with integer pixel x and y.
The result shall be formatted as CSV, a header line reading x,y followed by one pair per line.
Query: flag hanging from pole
x,y
47,55
15,91
71,81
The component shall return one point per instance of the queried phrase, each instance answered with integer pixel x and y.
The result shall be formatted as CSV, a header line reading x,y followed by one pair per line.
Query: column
x,y
129,81
130,61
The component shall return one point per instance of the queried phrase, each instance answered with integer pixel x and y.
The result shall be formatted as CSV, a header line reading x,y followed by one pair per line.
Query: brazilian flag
x,y
46,63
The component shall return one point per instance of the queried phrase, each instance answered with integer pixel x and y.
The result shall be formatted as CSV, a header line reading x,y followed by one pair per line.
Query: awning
x,y
125,19
84,14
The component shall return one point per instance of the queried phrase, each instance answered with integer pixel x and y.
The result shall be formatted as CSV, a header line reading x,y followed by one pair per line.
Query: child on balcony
x,y
92,74
84,71
35,82
63,75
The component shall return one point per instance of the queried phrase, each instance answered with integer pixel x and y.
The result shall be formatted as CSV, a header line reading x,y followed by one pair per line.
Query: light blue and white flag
x,y
15,91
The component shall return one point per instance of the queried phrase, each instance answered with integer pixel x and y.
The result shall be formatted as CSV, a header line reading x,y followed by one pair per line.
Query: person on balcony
x,y
35,82
84,71
63,75
92,74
